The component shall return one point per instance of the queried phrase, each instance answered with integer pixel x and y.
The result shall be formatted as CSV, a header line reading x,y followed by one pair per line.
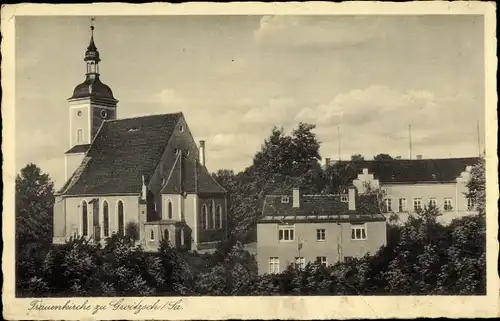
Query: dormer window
x,y
181,128
344,198
285,199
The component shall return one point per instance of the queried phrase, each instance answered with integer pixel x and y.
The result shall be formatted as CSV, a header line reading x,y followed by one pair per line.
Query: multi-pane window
x,y
105,209
433,202
85,222
121,229
358,231
274,265
286,233
388,205
402,205
417,204
321,260
448,204
470,203
320,234
300,262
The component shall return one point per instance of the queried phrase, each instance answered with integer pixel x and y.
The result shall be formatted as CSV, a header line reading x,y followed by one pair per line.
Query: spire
x,y
92,54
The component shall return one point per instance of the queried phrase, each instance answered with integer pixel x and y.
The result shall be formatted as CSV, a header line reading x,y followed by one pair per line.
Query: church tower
x,y
91,104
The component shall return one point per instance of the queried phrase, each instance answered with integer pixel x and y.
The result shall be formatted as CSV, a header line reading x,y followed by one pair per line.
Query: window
x,y
79,136
105,218
285,199
448,204
347,259
182,236
470,203
344,198
204,217
402,205
320,234
85,220
388,205
152,235
181,128
166,235
417,204
121,230
79,113
433,202
211,215
300,262
104,113
321,260
358,231
274,265
169,209
285,233
218,217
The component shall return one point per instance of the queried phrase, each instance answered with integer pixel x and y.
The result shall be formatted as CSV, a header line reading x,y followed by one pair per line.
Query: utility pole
x,y
478,141
338,135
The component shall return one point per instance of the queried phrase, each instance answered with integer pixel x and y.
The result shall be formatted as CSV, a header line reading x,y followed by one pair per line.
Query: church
x,y
144,176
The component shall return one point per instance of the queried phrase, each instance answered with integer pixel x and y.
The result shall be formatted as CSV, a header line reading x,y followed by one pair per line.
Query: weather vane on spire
x,y
92,19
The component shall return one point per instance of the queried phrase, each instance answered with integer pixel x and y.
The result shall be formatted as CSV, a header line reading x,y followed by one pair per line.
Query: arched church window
x,y
212,215
152,235
218,217
204,217
85,220
182,236
121,230
105,218
166,234
169,209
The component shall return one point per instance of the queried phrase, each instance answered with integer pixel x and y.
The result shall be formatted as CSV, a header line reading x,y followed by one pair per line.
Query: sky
x,y
235,77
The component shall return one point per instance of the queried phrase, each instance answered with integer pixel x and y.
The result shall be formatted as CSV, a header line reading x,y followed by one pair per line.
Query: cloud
x,y
331,31
276,111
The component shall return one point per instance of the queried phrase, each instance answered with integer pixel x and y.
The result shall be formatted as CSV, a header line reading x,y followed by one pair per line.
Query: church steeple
x,y
92,54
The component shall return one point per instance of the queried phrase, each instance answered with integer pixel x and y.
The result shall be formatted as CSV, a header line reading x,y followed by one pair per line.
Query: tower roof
x,y
92,87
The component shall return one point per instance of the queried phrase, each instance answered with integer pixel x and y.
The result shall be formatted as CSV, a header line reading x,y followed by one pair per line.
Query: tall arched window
x,y
182,236
211,215
121,229
169,209
105,218
166,234
218,217
152,235
204,217
85,219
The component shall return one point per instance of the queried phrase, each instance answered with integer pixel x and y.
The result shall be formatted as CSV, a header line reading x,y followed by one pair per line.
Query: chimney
x,y
202,152
419,156
296,197
352,198
327,162
144,189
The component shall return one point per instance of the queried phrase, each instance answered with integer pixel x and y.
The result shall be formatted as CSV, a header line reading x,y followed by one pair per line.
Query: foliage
x,y
357,157
34,203
477,186
382,156
132,230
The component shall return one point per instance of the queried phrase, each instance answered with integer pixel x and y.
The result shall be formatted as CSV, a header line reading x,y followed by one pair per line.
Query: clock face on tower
x,y
104,114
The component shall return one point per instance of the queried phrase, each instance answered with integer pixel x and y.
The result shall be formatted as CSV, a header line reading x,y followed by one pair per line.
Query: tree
x,y
380,157
34,206
477,186
357,157
132,230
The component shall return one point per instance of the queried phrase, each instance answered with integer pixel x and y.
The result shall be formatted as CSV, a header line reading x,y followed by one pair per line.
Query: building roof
x,y
92,87
415,170
320,208
189,176
121,153
78,149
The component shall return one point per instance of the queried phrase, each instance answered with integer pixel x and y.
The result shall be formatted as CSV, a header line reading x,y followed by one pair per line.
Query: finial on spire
x,y
92,19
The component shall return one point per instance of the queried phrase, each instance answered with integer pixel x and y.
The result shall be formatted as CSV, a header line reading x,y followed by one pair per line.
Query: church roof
x,y
92,87
78,149
188,175
121,153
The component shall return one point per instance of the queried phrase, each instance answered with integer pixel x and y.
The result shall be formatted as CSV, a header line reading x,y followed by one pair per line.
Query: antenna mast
x,y
338,134
409,137
478,141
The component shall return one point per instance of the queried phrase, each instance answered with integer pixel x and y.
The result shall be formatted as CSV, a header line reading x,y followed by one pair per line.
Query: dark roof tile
x,y
78,149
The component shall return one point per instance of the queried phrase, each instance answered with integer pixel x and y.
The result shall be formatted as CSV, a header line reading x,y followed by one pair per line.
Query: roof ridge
x,y
145,116
170,174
